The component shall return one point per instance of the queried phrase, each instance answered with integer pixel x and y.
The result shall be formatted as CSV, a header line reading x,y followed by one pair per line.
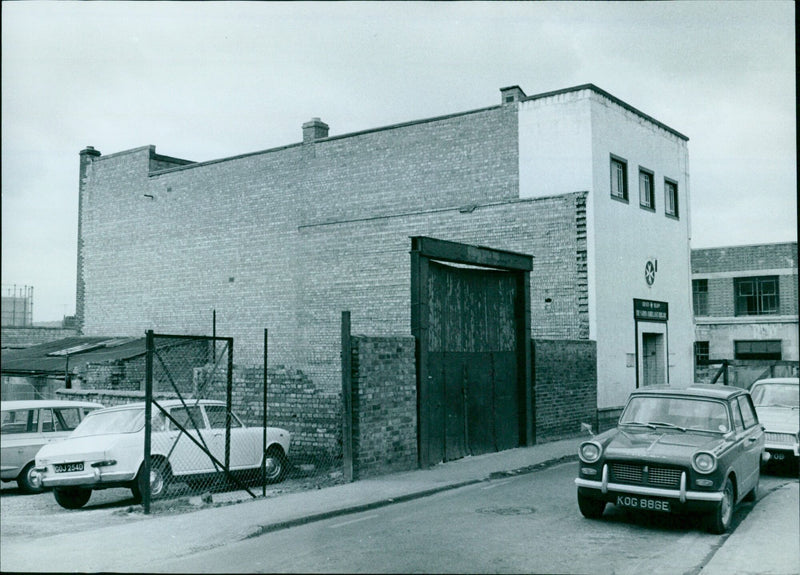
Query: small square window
x,y
619,179
701,353
646,196
671,198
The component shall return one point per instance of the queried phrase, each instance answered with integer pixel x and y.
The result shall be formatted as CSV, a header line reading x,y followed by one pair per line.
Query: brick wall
x,y
27,336
745,258
384,403
288,238
565,387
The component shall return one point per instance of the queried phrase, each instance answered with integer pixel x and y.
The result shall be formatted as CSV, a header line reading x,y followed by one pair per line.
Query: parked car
x,y
25,426
777,403
107,450
693,450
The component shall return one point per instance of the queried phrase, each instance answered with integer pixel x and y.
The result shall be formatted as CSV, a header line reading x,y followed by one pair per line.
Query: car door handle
x,y
752,439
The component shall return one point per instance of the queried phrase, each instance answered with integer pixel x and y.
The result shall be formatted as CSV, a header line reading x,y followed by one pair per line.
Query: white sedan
x,y
107,450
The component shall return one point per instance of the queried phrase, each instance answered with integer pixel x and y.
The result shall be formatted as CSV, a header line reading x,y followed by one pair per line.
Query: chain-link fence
x,y
210,426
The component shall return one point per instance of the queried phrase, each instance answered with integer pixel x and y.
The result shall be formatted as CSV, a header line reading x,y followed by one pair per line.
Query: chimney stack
x,y
511,94
313,130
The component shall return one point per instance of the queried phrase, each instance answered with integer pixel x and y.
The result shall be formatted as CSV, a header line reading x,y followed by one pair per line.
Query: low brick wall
x,y
565,387
26,336
384,405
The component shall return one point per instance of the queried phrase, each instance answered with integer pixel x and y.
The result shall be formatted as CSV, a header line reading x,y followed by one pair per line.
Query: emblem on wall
x,y
650,269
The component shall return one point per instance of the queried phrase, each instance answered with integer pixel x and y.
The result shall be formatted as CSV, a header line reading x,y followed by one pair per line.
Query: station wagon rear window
x,y
679,412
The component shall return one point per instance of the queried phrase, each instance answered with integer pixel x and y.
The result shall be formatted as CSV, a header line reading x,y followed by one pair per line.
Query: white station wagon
x,y
27,425
107,450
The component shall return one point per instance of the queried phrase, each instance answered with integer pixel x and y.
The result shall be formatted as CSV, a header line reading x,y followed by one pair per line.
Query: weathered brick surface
x,y
288,238
384,403
565,387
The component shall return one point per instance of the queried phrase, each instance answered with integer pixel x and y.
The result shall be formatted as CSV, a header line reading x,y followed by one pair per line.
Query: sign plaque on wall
x,y
649,310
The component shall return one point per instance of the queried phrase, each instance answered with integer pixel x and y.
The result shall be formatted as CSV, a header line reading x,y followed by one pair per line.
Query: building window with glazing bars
x,y
756,295
671,198
700,297
619,179
647,197
701,353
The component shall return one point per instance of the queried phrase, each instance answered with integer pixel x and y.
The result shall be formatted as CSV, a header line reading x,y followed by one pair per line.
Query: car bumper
x,y
782,448
92,478
683,497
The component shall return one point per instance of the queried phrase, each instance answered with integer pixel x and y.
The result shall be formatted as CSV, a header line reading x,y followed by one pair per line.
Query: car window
x,y
67,418
216,417
18,421
685,412
46,415
186,415
775,395
107,422
748,412
737,416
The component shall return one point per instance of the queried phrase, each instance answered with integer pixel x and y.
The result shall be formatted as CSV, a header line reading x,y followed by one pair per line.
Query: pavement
x,y
754,547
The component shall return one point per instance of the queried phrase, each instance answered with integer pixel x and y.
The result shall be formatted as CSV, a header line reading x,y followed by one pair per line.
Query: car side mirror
x,y
588,428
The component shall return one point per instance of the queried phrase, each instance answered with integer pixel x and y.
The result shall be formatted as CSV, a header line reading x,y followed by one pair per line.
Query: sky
x,y
202,81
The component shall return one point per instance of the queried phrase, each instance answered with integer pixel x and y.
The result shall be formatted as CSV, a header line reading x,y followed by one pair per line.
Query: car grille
x,y
783,438
638,474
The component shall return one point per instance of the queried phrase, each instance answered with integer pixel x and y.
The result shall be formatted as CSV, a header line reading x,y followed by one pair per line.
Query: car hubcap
x,y
271,466
727,504
34,478
156,482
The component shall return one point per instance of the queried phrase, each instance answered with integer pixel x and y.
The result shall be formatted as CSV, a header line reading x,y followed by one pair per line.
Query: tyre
x,y
72,497
720,520
752,495
591,508
29,480
275,463
160,480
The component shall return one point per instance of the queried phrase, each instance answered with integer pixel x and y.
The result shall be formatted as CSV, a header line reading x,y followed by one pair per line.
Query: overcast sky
x,y
202,81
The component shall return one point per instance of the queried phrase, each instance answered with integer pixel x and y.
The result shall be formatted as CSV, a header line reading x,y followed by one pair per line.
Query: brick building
x,y
287,238
745,306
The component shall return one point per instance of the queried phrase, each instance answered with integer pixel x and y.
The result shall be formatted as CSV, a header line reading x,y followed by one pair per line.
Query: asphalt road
x,y
524,524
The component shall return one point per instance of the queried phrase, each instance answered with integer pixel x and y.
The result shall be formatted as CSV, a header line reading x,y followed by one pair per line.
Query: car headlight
x,y
704,462
589,452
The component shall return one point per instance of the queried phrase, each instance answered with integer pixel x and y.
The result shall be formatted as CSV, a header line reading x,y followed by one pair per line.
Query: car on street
x,y
27,425
695,450
777,403
107,450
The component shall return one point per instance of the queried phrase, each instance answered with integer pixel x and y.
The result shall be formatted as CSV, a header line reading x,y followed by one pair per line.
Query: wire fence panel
x,y
211,429
194,441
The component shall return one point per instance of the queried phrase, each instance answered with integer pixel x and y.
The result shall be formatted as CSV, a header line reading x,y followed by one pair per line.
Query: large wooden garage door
x,y
470,316
472,362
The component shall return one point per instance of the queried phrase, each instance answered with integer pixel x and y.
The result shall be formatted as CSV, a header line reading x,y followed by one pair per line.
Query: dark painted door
x,y
472,362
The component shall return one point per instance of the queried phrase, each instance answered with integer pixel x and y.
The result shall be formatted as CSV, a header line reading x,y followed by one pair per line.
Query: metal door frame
x,y
423,250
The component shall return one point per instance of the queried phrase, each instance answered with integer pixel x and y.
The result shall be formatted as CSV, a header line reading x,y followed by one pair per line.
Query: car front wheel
x,y
720,519
591,508
72,497
29,480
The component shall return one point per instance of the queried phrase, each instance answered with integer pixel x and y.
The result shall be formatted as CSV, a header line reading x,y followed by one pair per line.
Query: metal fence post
x,y
347,399
148,403
264,423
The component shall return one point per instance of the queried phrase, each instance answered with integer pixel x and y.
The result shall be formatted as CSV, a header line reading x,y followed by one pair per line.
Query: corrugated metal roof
x,y
51,357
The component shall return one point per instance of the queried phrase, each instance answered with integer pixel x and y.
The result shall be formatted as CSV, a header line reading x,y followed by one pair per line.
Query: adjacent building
x,y
595,191
745,307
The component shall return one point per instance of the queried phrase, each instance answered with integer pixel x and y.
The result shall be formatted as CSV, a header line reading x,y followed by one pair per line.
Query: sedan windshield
x,y
775,395
101,423
681,413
